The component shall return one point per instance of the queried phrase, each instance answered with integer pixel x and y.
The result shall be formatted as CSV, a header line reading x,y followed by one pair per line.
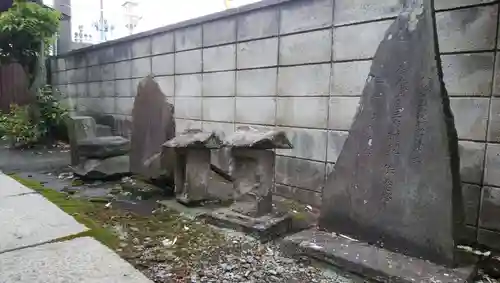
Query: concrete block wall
x,y
301,65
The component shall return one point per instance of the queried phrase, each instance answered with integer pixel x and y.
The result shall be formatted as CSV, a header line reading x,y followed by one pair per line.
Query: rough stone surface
x,y
192,173
103,147
152,125
79,128
249,137
375,263
30,219
103,168
194,138
398,170
59,263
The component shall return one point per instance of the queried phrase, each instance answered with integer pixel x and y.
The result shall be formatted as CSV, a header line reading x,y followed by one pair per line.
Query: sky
x,y
155,13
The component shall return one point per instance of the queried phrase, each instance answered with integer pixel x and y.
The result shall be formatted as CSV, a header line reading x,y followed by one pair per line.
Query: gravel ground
x,y
243,259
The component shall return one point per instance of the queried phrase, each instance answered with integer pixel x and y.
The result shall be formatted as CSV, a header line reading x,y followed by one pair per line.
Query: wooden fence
x,y
14,87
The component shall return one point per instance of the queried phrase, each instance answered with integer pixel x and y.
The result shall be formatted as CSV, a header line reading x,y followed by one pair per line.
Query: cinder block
x,y
80,60
94,89
349,78
310,47
219,32
182,125
71,91
122,51
300,195
490,209
489,238
366,37
94,73
188,107
492,166
69,103
188,62
342,112
304,80
256,110
496,82
60,78
188,85
162,43
163,64
306,15
302,112
471,117
471,195
92,58
219,58
468,74
107,89
348,11
123,70
63,89
471,161
81,90
336,140
218,109
123,88
188,38
135,85
246,86
124,105
80,75
106,55
446,4
258,24
300,173
141,47
108,72
61,64
166,84
469,29
141,67
219,84
307,143
494,125
258,53
107,105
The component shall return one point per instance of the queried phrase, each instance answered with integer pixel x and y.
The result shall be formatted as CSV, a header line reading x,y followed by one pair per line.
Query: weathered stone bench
x,y
95,156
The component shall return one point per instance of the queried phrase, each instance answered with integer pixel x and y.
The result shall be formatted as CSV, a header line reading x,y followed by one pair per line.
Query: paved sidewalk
x,y
28,222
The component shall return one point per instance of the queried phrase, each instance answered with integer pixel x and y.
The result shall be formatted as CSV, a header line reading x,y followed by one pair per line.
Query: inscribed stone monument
x,y
152,125
396,182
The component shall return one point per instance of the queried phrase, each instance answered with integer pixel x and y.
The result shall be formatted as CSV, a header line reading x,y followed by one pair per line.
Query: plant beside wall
x,y
26,32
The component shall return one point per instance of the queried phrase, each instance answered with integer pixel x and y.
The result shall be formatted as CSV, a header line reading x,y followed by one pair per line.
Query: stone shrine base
x,y
369,261
264,228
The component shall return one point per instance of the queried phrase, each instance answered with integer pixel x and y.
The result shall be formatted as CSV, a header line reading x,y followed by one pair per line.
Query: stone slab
x,y
10,187
75,261
264,228
372,262
30,220
399,168
103,147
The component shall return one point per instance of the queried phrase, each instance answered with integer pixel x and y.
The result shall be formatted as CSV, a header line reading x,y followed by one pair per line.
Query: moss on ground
x,y
141,240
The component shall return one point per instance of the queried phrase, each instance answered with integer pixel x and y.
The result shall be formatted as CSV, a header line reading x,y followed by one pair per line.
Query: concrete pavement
x,y
28,222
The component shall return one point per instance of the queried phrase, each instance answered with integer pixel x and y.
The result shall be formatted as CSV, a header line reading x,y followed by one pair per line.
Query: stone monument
x,y
396,184
152,125
253,178
192,164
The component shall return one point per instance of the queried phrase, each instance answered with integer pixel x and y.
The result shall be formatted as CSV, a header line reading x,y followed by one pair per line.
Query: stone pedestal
x,y
79,128
192,164
253,175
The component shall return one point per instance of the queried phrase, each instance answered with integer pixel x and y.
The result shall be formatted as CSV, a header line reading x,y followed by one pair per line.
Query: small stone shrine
x,y
396,184
96,157
253,175
192,164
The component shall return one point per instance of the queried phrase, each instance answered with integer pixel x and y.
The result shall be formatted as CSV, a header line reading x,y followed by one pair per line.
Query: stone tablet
x,y
152,125
396,182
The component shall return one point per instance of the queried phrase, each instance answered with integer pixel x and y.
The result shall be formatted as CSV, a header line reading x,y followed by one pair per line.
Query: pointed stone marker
x,y
152,125
396,182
